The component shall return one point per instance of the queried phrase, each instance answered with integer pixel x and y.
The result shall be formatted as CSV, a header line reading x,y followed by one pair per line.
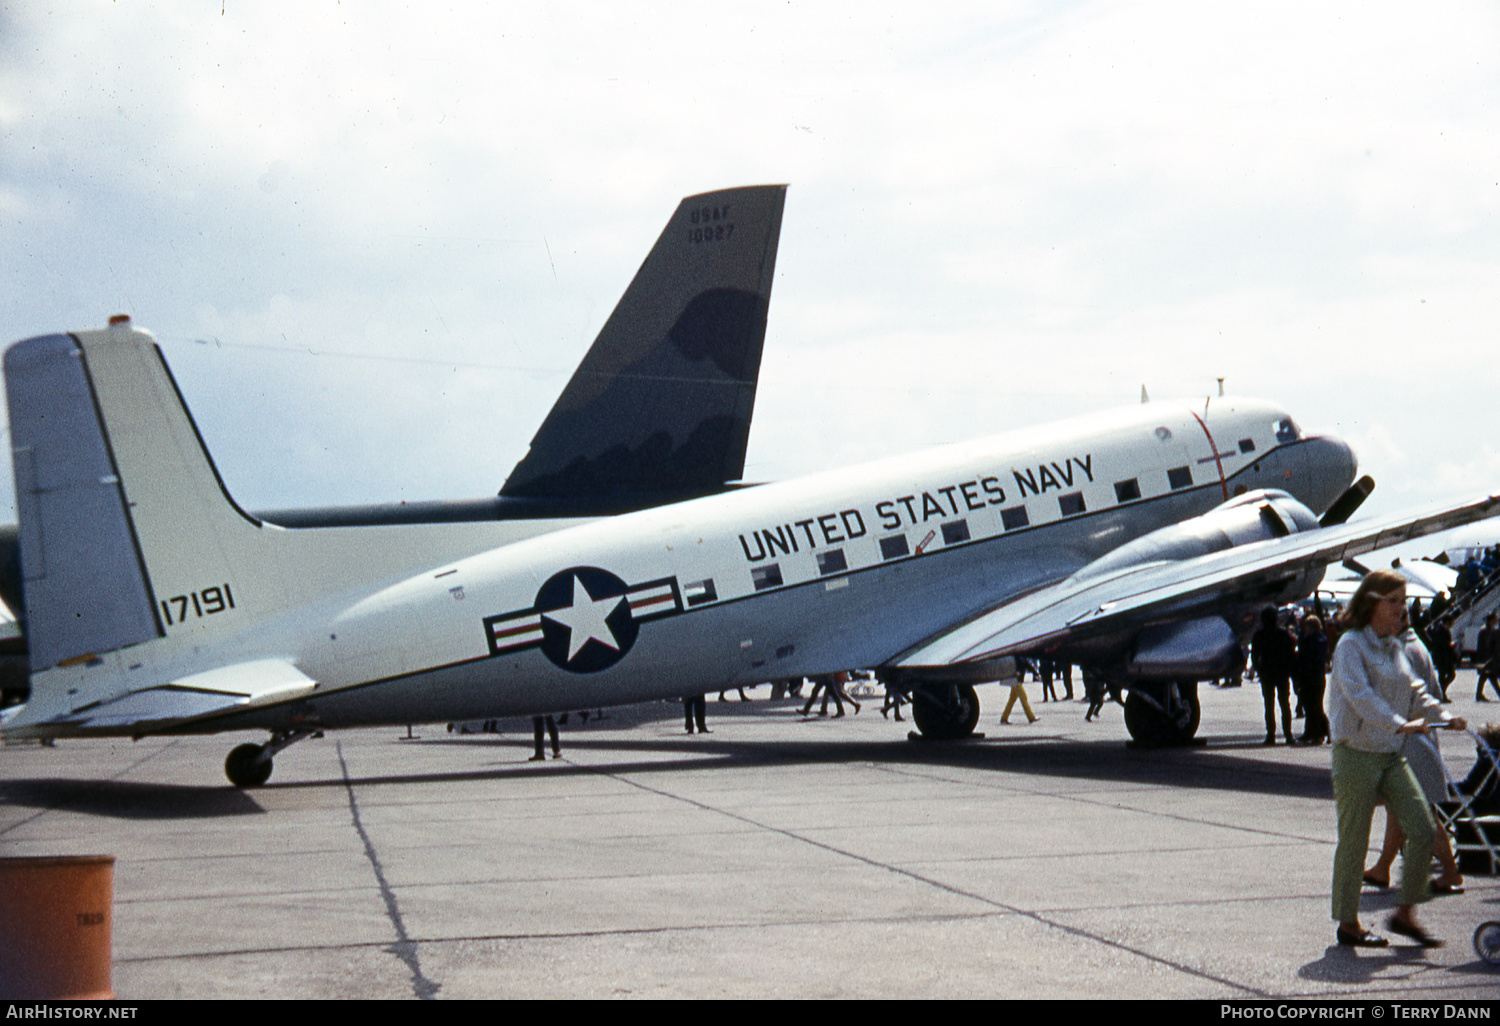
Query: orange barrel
x,y
55,926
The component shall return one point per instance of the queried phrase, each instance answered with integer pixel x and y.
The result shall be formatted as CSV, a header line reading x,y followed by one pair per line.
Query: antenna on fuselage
x,y
1221,388
1144,397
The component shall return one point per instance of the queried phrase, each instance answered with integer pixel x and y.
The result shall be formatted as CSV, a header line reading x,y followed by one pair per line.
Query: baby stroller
x,y
1473,818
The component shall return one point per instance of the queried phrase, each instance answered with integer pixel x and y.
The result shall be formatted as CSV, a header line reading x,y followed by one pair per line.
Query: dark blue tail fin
x,y
661,404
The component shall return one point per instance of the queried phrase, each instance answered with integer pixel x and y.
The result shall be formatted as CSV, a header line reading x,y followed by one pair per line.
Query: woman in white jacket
x,y
1375,699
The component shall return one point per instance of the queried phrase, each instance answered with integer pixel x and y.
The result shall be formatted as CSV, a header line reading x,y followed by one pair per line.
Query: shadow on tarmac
x,y
1097,760
1212,765
123,799
1345,965
1200,767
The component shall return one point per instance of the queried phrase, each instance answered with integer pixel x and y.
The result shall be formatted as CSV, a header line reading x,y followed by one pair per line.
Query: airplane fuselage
x,y
782,580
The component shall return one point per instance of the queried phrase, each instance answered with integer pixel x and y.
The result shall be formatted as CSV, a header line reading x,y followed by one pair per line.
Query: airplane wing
x,y
1086,605
222,689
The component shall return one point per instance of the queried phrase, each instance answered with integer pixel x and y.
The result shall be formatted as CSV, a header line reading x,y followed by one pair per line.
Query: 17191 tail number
x,y
206,602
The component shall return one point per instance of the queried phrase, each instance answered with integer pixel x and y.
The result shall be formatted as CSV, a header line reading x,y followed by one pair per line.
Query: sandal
x,y
1362,939
1416,933
1376,882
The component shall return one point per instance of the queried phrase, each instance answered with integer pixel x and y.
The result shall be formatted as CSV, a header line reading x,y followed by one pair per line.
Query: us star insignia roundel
x,y
585,619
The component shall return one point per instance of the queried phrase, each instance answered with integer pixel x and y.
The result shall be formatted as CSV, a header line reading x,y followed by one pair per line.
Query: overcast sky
x,y
374,239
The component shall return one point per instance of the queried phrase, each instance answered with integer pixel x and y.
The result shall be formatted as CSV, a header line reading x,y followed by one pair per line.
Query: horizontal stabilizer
x,y
220,690
152,708
257,683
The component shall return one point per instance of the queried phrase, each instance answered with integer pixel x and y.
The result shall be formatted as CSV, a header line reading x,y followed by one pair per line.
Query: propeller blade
x,y
1344,507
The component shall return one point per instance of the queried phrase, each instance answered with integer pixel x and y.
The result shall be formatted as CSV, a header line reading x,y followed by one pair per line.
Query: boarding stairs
x,y
1466,615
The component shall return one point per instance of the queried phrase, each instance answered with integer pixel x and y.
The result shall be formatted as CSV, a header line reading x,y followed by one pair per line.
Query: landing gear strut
x,y
250,765
1161,715
945,712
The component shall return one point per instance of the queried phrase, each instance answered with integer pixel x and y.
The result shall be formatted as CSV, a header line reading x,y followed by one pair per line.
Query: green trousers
x,y
1360,780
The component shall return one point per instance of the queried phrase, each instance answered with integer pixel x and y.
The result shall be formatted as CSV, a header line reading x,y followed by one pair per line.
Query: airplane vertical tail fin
x,y
126,531
85,586
661,403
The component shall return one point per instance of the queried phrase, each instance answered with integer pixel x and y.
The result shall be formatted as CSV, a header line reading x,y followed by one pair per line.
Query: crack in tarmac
x,y
405,948
948,888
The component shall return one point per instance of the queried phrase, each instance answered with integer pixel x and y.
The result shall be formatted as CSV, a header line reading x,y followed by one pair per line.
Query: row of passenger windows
x,y
1177,477
896,546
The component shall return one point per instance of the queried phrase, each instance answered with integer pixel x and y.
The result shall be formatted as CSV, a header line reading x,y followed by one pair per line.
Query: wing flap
x,y
1085,605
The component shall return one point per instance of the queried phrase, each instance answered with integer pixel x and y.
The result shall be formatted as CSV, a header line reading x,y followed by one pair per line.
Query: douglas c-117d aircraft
x,y
1138,543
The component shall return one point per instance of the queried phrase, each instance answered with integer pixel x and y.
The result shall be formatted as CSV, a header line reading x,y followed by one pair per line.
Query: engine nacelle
x,y
1255,516
1199,649
1203,647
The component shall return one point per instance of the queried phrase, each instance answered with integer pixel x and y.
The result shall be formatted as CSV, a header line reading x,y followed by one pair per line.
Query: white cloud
x,y
997,215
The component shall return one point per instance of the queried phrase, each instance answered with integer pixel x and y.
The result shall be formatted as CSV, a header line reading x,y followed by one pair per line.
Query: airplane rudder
x,y
84,584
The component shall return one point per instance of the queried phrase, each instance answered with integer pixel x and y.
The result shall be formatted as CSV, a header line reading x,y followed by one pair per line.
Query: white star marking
x,y
585,619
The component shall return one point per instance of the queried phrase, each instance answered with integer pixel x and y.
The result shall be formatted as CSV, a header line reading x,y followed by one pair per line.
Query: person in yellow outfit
x,y
1018,691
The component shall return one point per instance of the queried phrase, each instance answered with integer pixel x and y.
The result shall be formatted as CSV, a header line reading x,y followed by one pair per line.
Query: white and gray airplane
x,y
1139,543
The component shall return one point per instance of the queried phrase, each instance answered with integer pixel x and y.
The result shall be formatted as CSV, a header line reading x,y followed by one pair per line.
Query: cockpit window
x,y
1287,430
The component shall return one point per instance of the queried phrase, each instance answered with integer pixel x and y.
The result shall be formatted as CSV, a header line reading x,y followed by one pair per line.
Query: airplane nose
x,y
1328,469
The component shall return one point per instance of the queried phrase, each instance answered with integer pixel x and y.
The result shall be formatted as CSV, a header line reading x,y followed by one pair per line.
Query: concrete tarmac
x,y
771,858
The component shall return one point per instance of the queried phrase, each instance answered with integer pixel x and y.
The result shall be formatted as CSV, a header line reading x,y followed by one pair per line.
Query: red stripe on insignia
x,y
509,646
524,628
655,600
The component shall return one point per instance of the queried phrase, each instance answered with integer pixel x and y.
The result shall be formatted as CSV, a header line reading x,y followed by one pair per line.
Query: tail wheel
x,y
946,712
248,766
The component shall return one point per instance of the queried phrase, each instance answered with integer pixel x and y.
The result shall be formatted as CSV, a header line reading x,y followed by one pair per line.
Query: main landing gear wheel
x,y
947,712
247,766
1487,942
1163,715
